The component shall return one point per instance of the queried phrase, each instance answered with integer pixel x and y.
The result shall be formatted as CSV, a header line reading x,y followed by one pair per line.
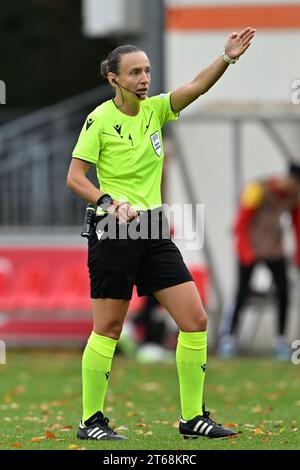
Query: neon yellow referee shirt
x,y
127,150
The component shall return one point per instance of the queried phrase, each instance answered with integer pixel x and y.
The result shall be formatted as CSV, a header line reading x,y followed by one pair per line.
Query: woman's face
x,y
134,73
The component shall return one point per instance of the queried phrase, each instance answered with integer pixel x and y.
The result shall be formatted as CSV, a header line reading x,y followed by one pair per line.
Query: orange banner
x,y
228,17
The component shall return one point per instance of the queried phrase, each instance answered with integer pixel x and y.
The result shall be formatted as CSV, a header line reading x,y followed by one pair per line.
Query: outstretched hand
x,y
238,43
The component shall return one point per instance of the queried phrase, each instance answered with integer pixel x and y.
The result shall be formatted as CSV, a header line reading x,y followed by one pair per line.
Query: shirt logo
x,y
89,122
156,144
99,234
118,128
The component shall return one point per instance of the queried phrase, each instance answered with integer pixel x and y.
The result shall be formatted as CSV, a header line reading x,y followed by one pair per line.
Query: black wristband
x,y
105,201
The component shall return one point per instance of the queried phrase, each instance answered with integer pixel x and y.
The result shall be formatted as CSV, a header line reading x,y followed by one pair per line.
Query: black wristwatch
x,y
105,201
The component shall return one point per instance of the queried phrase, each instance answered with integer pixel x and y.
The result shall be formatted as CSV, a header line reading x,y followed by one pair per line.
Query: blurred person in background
x,y
259,239
123,138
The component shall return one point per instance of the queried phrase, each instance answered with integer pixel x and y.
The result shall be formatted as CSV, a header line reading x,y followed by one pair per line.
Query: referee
x,y
123,138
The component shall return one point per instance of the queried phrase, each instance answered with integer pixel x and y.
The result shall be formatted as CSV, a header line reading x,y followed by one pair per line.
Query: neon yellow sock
x,y
96,365
191,356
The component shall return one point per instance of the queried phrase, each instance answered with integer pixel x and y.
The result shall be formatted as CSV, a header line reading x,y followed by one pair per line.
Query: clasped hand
x,y
123,211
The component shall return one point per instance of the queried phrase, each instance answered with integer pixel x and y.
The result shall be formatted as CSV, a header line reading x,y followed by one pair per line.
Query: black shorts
x,y
139,253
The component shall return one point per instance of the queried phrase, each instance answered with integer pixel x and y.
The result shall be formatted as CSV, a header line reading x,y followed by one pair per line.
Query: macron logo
x,y
118,128
99,234
89,122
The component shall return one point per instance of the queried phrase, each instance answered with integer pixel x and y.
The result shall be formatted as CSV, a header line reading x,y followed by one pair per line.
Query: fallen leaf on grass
x,y
149,433
16,444
234,436
230,425
56,426
49,435
121,428
175,424
142,425
259,431
36,439
73,446
31,418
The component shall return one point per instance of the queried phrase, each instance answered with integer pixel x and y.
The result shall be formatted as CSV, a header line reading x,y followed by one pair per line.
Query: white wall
x,y
263,74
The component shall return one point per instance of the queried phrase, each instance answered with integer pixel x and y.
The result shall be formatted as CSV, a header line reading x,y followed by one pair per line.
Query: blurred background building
x,y
245,128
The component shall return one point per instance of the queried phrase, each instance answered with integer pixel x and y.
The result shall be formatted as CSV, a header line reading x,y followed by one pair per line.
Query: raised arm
x,y
235,46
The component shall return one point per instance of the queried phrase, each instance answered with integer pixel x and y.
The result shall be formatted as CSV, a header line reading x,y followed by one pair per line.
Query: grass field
x,y
40,403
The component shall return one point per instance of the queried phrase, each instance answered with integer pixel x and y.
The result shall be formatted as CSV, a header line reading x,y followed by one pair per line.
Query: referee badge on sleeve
x,y
156,144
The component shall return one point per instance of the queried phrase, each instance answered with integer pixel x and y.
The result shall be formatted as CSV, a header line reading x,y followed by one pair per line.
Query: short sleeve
x,y
88,145
163,105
